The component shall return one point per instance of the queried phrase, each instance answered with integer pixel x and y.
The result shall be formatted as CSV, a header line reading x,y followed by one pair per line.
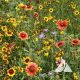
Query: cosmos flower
x,y
59,44
31,69
62,24
75,42
23,35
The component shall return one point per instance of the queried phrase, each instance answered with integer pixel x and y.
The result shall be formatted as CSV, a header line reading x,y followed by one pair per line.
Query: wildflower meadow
x,y
39,39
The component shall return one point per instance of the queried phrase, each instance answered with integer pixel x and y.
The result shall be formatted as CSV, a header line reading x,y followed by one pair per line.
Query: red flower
x,y
23,35
36,14
60,43
75,42
28,7
31,69
62,24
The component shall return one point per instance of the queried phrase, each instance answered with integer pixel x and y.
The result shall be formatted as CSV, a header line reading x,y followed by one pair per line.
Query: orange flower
x,y
23,35
75,42
60,43
62,24
36,14
31,69
28,7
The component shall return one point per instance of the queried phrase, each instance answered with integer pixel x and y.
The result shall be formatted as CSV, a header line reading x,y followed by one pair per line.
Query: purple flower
x,y
41,35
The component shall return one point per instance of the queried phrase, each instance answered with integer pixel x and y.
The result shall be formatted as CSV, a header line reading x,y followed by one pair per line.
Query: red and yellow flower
x,y
23,35
11,72
31,69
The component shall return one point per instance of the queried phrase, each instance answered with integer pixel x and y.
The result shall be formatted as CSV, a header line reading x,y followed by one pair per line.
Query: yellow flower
x,y
4,49
6,0
51,10
57,58
51,40
73,6
1,34
46,19
4,57
46,54
62,32
6,78
76,12
26,60
40,7
9,33
40,69
11,72
45,3
0,39
4,28
50,17
19,69
36,39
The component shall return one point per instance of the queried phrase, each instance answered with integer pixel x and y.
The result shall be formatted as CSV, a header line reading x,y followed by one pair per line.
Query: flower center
x,y
11,71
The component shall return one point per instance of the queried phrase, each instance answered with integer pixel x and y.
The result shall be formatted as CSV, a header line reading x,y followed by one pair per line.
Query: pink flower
x,y
23,35
60,43
75,42
62,24
31,69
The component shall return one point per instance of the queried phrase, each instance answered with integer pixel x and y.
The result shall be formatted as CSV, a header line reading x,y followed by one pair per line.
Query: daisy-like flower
x,y
36,14
31,69
9,33
11,72
75,42
76,12
46,19
62,24
4,28
26,60
60,44
28,7
40,7
51,10
23,35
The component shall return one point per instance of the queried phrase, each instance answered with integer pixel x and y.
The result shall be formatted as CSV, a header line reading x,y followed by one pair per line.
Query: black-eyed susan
x,y
76,12
40,7
4,28
26,60
11,72
50,10
46,19
9,33
1,34
20,69
4,57
4,49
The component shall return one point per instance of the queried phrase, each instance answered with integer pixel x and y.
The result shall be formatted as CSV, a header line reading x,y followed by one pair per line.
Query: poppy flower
x,y
59,44
23,35
31,69
62,24
75,42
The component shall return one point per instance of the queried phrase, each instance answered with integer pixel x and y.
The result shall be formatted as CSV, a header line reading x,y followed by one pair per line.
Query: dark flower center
x,y
11,71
